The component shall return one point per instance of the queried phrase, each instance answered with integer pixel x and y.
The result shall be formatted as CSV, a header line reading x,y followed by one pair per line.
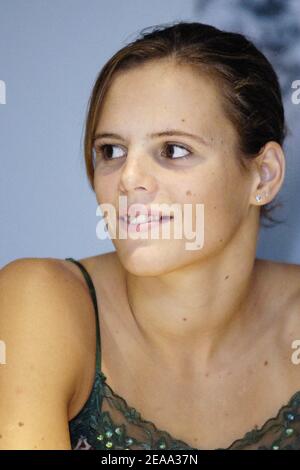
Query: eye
x,y
165,154
105,152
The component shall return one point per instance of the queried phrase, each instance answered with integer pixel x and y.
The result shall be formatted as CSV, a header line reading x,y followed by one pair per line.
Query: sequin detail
x,y
100,431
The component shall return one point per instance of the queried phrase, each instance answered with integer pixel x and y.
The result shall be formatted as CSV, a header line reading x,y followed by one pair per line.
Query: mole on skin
x,y
266,363
20,423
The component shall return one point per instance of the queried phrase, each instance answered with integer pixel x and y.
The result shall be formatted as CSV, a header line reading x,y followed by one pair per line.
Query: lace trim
x,y
249,437
134,416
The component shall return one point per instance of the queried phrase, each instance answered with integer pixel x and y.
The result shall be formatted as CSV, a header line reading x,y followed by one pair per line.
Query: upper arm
x,y
38,380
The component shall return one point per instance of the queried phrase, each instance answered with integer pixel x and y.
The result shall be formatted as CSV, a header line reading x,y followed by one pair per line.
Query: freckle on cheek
x,y
188,192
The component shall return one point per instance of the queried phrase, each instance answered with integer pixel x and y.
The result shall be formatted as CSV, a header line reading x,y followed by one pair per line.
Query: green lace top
x,y
106,421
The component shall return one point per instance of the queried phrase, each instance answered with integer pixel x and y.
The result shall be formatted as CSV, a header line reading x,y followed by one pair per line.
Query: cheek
x,y
99,191
105,188
217,188
208,191
220,206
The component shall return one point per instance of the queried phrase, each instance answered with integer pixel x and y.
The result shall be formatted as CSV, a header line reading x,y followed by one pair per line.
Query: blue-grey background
x,y
50,54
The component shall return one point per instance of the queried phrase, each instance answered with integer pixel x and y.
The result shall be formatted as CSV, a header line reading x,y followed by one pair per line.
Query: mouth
x,y
143,222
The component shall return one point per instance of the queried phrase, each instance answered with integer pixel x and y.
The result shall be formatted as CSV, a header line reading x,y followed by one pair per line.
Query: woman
x,y
196,345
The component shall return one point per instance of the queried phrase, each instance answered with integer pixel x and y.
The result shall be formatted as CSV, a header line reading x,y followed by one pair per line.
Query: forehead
x,y
161,94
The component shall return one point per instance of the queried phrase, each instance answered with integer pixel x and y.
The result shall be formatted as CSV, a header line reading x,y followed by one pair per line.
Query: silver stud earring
x,y
259,197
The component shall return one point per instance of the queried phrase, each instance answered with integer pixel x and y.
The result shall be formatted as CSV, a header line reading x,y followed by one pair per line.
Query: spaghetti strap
x,y
94,299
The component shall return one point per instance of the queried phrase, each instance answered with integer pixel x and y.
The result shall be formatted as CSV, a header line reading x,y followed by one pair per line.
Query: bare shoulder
x,y
281,283
278,267
39,311
281,280
289,289
46,315
40,279
282,289
53,298
37,293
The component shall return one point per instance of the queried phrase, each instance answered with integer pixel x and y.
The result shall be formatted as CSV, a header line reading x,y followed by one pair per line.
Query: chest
x,y
205,412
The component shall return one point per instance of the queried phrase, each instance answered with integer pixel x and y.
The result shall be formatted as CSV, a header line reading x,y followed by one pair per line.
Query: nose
x,y
137,173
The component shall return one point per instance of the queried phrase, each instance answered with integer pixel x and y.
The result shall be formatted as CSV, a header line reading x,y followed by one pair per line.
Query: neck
x,y
195,311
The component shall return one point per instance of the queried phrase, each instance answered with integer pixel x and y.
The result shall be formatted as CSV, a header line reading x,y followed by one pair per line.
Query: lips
x,y
144,219
142,224
148,213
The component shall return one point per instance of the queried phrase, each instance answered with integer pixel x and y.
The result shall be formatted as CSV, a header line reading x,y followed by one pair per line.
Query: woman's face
x,y
174,169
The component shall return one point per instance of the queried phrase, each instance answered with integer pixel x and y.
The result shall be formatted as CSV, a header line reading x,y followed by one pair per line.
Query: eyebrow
x,y
170,132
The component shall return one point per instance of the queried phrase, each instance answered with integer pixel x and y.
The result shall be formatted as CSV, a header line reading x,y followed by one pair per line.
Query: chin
x,y
148,260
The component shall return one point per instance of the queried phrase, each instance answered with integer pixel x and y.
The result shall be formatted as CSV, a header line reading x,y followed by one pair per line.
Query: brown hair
x,y
250,87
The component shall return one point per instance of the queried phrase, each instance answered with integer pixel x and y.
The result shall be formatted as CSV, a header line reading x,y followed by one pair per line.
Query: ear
x,y
269,173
